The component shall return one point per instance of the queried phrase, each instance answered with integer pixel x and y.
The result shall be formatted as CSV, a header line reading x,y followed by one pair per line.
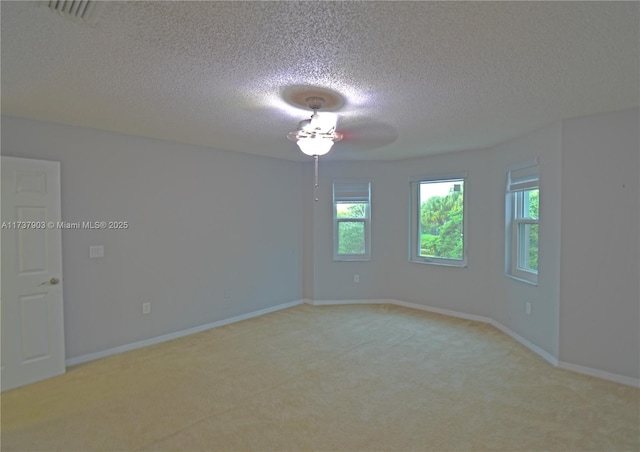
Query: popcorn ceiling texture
x,y
417,77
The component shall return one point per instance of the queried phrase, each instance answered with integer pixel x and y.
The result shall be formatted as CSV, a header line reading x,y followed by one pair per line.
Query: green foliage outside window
x,y
351,238
351,234
534,212
442,225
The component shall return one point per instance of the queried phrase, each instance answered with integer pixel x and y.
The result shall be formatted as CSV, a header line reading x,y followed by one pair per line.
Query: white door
x,y
32,317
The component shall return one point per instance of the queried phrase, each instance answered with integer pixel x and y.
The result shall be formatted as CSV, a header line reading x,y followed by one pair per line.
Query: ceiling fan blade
x,y
371,135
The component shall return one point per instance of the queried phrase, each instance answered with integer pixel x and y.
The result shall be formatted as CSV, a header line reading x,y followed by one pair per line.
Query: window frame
x,y
357,186
521,178
414,219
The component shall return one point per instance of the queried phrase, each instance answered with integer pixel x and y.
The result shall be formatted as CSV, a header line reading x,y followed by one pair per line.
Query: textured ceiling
x,y
414,78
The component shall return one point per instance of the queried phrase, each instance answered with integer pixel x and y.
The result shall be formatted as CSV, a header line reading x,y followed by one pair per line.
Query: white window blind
x,y
523,177
351,191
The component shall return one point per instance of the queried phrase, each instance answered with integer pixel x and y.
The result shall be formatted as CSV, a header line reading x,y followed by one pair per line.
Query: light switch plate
x,y
96,251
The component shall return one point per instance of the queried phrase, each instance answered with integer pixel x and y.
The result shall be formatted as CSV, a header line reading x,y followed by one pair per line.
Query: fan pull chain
x,y
315,187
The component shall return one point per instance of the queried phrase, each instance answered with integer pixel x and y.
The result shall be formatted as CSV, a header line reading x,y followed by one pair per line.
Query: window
x,y
438,220
352,220
522,216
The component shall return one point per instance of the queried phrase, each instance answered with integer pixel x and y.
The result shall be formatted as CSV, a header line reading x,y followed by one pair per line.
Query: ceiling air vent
x,y
74,9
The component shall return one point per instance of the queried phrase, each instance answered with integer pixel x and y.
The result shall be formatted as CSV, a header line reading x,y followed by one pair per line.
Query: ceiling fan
x,y
315,136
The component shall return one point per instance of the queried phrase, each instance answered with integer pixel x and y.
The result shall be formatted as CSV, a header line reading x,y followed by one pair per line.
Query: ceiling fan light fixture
x,y
315,146
314,123
315,136
305,125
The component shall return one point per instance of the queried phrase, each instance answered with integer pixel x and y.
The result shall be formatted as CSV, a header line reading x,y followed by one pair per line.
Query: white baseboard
x,y
635,382
531,346
630,381
478,318
343,302
447,312
177,334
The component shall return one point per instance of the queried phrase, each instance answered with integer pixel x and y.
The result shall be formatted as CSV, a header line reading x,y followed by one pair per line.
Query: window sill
x,y
462,264
351,259
526,281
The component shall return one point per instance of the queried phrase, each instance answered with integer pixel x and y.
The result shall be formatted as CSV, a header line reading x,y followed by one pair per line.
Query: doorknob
x,y
52,282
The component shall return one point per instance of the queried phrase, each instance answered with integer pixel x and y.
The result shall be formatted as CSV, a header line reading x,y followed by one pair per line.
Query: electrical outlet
x,y
527,308
146,308
356,278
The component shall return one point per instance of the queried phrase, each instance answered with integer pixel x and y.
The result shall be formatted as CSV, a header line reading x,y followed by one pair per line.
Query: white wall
x,y
334,280
467,289
509,296
389,275
206,223
585,308
600,300
203,224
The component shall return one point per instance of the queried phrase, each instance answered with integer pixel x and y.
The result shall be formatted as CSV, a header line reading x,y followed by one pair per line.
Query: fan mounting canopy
x,y
297,96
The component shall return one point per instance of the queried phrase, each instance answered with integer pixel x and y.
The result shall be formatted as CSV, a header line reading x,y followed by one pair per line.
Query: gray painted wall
x,y
467,289
389,274
481,288
585,308
509,296
334,280
600,301
213,234
218,234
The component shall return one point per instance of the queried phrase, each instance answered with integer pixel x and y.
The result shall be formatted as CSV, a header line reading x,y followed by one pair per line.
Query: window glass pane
x,y
351,210
351,238
531,203
528,247
441,218
533,247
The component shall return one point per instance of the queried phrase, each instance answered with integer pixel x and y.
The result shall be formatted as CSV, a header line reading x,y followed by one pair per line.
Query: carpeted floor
x,y
351,378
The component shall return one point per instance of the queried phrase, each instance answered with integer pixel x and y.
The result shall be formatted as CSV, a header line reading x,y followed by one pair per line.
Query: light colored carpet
x,y
350,378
